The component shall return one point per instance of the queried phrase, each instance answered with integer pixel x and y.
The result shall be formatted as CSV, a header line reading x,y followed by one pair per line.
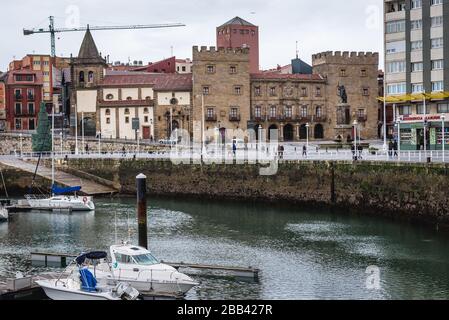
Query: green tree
x,y
42,139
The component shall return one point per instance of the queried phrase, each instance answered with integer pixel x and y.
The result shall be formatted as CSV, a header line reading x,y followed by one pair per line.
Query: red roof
x,y
280,76
159,81
38,77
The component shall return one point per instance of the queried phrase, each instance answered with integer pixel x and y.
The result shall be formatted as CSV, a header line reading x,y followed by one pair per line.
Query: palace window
x,y
145,119
272,91
81,77
234,112
273,112
90,77
238,90
108,112
126,111
304,111
343,73
18,124
303,92
108,120
365,91
233,69
18,109
363,73
288,111
319,111
210,69
318,91
258,111
210,113
126,119
257,91
30,108
206,91
145,110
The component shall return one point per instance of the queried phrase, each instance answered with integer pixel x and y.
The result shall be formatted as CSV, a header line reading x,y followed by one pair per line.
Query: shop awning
x,y
415,97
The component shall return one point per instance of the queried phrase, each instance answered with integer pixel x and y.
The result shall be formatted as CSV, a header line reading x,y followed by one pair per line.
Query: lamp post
x,y
443,141
398,121
99,143
76,129
21,144
62,143
307,136
138,141
82,130
355,123
425,124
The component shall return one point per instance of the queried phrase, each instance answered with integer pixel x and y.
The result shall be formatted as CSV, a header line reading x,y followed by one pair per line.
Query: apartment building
x,y
417,70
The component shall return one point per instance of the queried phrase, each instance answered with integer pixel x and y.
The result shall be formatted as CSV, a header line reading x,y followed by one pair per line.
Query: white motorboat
x,y
62,202
138,267
80,284
3,214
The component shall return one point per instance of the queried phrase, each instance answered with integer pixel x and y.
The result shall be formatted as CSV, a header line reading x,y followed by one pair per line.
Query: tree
x,y
42,139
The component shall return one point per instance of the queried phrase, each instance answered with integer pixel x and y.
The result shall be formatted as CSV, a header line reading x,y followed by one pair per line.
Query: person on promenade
x,y
86,148
124,151
304,151
390,148
395,148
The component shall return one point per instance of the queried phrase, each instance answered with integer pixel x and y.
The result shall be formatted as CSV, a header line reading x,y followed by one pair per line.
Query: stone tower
x,y
87,73
357,73
222,77
238,33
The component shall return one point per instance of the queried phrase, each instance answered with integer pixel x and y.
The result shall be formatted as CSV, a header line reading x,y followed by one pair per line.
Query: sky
x,y
317,25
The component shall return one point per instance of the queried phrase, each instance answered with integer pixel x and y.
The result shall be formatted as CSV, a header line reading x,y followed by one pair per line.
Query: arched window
x,y
319,132
109,97
145,110
126,111
108,112
90,77
82,76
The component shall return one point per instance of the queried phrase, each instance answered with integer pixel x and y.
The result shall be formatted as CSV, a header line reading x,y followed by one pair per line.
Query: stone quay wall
x,y
404,191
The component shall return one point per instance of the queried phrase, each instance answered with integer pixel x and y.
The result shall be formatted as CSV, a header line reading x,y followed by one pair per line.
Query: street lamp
x,y
82,132
355,123
99,143
62,147
307,135
138,141
21,144
443,141
398,121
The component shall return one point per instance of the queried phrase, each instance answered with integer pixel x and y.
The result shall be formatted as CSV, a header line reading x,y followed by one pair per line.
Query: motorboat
x,y
81,284
138,267
4,214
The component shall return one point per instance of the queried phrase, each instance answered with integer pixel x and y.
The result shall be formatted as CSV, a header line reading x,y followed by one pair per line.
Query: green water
x,y
302,254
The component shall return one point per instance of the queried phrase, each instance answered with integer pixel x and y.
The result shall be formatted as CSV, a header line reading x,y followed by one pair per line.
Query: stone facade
x,y
222,78
288,103
358,73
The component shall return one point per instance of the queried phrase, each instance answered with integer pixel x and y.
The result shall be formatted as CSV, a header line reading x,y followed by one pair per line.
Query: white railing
x,y
253,156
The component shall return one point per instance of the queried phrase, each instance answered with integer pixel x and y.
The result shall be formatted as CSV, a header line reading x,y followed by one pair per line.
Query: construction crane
x,y
52,30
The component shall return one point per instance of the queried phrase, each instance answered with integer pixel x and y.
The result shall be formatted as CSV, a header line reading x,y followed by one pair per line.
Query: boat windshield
x,y
145,259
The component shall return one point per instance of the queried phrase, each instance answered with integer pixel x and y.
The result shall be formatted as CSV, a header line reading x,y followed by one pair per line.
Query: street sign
x,y
136,123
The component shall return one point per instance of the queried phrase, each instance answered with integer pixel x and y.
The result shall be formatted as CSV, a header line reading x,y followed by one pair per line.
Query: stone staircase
x,y
89,187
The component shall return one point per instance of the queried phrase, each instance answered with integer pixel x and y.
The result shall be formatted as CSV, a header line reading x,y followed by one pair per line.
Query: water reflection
x,y
303,254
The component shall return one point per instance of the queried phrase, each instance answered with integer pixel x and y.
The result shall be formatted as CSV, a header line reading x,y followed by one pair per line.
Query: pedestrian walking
x,y
304,151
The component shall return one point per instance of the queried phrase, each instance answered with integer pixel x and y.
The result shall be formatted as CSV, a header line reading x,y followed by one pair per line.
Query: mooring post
x,y
141,181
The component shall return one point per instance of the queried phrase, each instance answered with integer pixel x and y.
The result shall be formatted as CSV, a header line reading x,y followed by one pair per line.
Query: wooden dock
x,y
59,260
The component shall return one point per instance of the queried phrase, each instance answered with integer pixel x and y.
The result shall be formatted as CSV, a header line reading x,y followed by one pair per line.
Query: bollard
x,y
141,182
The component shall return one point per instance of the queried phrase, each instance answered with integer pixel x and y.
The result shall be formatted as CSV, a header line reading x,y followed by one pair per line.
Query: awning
x,y
94,255
415,97
56,190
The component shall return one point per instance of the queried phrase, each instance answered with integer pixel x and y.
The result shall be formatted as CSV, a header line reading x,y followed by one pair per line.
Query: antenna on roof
x,y
297,50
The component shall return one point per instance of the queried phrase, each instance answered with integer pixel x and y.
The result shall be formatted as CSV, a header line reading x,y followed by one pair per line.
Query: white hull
x,y
59,292
156,287
70,203
3,214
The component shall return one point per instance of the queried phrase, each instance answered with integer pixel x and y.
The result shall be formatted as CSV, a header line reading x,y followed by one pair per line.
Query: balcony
x,y
362,118
259,118
302,118
319,118
211,118
18,97
234,118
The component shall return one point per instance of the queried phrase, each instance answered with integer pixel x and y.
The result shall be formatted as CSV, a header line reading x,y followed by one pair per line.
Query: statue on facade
x,y
342,94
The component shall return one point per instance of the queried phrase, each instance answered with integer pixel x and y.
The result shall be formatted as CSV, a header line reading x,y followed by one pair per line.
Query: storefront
x,y
420,131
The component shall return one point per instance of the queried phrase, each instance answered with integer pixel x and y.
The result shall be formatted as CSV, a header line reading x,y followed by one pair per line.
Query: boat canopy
x,y
93,255
56,190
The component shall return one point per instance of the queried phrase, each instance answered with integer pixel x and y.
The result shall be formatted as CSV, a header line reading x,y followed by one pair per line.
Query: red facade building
x,y
238,33
24,96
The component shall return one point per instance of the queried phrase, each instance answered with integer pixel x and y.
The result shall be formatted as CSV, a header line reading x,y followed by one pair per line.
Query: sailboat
x,y
58,200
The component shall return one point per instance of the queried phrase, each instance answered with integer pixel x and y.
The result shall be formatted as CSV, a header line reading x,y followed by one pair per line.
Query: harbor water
x,y
302,253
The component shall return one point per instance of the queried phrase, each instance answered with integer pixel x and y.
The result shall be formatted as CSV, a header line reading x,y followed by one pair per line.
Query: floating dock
x,y
62,260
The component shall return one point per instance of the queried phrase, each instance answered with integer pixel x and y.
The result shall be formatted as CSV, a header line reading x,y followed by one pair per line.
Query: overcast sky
x,y
318,25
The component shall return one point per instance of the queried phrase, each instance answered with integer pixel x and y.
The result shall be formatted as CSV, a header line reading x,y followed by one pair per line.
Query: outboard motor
x,y
126,292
